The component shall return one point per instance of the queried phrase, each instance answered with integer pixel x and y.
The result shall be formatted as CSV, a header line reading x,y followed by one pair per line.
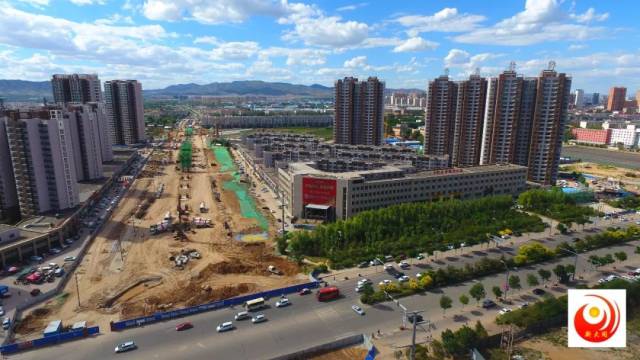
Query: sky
x,y
405,43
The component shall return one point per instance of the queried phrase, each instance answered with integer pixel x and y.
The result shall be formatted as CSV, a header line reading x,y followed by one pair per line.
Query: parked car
x,y
403,278
363,264
70,258
258,318
384,282
55,251
283,302
420,257
225,326
6,323
184,326
419,275
357,309
1,311
524,305
539,292
504,311
36,258
126,346
404,265
488,303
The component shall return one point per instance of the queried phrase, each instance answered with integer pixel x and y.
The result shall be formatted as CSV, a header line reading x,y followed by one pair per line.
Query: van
x,y
242,315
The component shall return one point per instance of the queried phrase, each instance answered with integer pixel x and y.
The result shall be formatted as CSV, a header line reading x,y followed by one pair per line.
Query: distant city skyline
x,y
161,42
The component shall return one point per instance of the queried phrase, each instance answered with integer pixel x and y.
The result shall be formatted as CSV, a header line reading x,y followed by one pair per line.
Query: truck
x,y
272,269
54,328
203,207
328,293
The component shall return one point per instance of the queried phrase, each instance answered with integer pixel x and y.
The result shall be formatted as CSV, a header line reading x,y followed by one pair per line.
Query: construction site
x,y
186,232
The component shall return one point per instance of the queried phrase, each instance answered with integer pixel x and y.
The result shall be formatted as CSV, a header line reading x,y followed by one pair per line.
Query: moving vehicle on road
x,y
328,293
357,309
283,302
184,326
241,315
254,304
305,291
126,346
258,318
225,326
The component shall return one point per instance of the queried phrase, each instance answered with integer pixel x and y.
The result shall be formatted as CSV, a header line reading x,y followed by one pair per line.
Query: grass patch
x,y
325,133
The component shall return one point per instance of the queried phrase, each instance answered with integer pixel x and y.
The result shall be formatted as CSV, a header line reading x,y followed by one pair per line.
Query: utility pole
x,y
77,287
414,321
506,283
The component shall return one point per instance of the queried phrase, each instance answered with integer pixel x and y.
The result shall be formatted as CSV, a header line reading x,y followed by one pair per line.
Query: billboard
x,y
318,191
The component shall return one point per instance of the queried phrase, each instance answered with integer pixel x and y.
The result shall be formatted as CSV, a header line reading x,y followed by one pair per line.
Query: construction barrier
x,y
49,340
168,315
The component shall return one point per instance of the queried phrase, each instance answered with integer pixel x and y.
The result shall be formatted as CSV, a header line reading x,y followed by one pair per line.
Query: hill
x,y
244,88
22,90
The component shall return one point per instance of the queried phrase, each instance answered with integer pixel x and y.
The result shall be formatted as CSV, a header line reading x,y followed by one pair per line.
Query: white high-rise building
x,y
86,138
579,98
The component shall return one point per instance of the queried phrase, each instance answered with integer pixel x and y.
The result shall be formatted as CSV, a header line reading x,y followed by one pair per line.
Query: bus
x,y
254,304
328,293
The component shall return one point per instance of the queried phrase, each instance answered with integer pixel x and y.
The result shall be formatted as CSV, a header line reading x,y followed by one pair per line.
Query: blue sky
x,y
405,43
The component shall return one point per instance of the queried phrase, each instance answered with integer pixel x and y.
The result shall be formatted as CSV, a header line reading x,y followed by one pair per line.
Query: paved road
x,y
305,323
603,156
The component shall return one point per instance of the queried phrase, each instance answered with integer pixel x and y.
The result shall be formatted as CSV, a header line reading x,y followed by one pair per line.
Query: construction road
x,y
307,322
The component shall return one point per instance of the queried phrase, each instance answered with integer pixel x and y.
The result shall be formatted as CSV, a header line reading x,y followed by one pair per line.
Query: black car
x,y
539,292
487,303
398,275
415,317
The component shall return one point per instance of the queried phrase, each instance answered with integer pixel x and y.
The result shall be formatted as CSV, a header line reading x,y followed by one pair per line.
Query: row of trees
x,y
555,204
411,228
628,202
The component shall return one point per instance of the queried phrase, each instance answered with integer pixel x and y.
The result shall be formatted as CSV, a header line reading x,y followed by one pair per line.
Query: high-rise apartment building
x,y
502,114
8,196
469,117
359,111
595,99
76,88
84,121
549,119
579,98
616,99
125,111
440,116
42,158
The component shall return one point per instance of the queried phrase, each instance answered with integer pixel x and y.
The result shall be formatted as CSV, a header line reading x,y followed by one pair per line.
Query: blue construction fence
x,y
49,340
168,315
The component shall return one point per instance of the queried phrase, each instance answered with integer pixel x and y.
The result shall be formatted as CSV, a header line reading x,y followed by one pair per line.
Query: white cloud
x,y
541,20
415,44
352,6
88,2
211,40
467,63
327,31
213,11
589,16
301,56
115,19
574,47
36,3
445,20
356,62
240,50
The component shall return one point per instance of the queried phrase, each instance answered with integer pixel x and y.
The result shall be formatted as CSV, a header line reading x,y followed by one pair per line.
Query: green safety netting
x,y
184,156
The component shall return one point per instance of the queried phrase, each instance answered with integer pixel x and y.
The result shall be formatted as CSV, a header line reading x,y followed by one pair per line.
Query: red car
x,y
305,291
184,326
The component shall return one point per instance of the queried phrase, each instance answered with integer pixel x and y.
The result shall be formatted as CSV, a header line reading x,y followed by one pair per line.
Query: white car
x,y
357,309
504,311
258,318
388,266
225,326
419,275
363,282
241,315
384,282
283,302
70,258
125,346
403,278
1,311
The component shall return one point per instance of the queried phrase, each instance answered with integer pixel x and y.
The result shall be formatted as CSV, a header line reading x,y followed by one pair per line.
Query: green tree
x,y
545,274
445,303
532,280
621,256
514,282
477,292
561,273
497,291
464,300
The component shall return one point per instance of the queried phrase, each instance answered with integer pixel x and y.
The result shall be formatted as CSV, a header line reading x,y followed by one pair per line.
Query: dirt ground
x,y
141,279
607,171
343,354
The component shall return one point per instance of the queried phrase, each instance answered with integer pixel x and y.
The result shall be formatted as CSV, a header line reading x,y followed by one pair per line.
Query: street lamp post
x,y
414,315
506,283
575,262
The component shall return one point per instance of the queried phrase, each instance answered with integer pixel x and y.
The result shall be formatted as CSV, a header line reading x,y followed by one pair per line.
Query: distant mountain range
x,y
21,90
